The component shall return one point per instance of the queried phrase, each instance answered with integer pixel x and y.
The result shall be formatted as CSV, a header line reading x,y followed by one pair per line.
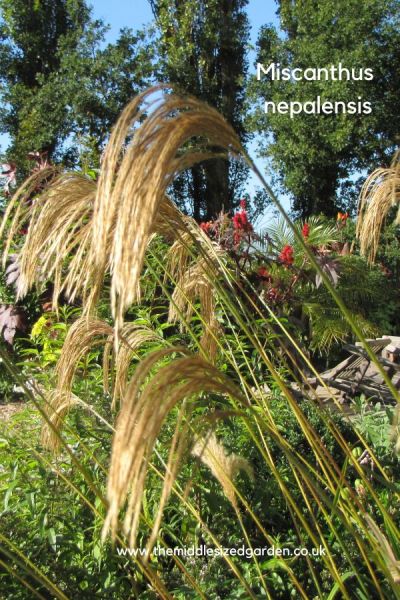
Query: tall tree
x,y
57,78
31,35
202,49
98,81
317,156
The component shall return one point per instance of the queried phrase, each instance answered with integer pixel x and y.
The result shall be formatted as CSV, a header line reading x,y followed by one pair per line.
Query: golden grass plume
x,y
147,403
58,406
19,206
82,337
196,282
58,238
134,180
132,337
380,192
225,467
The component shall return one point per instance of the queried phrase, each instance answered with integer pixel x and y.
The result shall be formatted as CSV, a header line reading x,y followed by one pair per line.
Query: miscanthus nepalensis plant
x,y
94,240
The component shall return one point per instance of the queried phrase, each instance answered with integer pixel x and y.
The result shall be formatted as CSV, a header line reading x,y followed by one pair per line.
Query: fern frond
x,y
328,326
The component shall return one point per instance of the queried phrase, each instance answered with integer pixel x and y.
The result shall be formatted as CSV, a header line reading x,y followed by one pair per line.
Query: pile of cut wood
x,y
357,374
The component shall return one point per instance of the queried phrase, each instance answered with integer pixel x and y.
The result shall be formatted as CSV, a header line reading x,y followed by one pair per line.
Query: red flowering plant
x,y
286,255
341,219
320,238
274,262
233,233
305,231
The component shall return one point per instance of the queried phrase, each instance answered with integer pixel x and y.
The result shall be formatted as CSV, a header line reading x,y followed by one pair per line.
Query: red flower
x,y
241,225
206,227
286,255
240,221
342,217
243,204
237,236
262,272
305,230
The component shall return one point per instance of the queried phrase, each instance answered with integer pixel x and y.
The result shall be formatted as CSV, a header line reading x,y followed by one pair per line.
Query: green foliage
x,y
47,336
57,79
46,511
49,522
365,291
98,80
374,421
388,261
31,37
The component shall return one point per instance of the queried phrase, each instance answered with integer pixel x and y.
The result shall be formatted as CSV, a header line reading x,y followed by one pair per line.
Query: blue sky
x,y
136,13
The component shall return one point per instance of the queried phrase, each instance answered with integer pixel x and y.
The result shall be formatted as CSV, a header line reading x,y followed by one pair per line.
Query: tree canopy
x,y
316,156
59,80
60,83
